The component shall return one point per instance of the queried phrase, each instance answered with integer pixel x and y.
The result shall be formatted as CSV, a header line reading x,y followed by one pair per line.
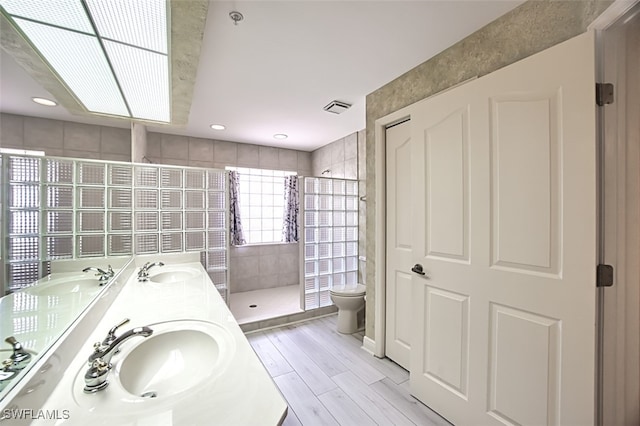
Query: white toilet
x,y
350,300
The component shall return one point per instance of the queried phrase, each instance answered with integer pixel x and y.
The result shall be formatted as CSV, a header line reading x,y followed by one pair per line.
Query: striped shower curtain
x,y
291,206
235,225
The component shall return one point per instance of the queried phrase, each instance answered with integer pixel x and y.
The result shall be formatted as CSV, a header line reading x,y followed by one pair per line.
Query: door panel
x,y
506,331
525,175
524,367
447,339
400,239
446,187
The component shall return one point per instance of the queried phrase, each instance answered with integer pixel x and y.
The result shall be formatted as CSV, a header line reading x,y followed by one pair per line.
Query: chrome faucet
x,y
111,335
95,378
104,276
20,357
110,345
143,274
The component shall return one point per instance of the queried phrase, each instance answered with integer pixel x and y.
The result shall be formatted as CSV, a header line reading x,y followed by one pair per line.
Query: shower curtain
x,y
235,225
291,206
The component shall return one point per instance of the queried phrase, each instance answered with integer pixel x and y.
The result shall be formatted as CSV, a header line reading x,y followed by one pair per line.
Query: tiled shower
x,y
61,208
250,267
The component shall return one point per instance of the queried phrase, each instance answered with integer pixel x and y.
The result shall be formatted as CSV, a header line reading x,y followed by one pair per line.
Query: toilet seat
x,y
357,290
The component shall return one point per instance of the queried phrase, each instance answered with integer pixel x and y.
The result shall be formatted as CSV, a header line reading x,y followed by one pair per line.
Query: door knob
x,y
417,268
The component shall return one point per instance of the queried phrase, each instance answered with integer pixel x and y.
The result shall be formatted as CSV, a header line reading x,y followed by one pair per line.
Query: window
x,y
261,203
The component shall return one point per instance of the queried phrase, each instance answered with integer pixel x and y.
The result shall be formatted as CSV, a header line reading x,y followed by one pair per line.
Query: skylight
x,y
112,54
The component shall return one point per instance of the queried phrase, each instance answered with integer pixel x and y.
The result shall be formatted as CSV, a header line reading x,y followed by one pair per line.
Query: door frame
x,y
377,345
612,385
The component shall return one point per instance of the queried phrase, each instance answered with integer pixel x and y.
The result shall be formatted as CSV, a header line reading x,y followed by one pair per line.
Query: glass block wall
x,y
22,221
65,209
330,237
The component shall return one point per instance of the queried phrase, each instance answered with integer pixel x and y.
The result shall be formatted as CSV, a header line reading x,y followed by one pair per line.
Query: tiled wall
x,y
264,266
346,158
197,152
339,159
65,139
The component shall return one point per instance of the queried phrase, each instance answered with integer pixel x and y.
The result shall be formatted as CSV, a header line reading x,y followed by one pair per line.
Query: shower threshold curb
x,y
260,325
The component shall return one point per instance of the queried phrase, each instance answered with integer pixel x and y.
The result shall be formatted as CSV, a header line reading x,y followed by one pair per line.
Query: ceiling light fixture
x,y
112,56
280,136
217,127
236,17
44,101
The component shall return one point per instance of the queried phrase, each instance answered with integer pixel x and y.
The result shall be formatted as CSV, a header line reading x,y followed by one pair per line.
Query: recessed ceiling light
x,y
43,101
217,127
280,136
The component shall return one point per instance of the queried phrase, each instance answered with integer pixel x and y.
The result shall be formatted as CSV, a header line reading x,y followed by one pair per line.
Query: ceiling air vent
x,y
337,107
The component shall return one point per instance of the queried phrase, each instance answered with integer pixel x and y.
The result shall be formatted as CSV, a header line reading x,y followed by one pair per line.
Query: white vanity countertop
x,y
242,393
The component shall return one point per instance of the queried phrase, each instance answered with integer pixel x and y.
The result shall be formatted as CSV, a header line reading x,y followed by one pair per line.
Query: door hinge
x,y
605,275
604,94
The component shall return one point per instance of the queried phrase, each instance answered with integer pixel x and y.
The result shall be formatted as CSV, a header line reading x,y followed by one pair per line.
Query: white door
x,y
506,233
399,243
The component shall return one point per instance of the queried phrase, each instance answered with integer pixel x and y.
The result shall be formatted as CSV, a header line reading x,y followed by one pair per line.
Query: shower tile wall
x,y
345,158
264,266
340,158
197,152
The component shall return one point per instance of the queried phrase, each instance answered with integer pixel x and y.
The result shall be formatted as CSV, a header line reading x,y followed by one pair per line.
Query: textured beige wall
x,y
528,29
138,142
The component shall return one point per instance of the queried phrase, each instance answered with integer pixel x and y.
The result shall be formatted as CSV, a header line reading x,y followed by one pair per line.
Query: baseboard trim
x,y
369,345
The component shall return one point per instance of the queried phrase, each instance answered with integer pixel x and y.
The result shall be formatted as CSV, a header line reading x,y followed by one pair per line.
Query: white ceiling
x,y
277,69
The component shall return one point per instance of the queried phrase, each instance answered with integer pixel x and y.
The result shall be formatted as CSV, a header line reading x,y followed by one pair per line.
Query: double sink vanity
x,y
157,345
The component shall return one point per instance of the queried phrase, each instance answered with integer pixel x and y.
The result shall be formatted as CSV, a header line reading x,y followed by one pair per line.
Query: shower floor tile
x,y
268,303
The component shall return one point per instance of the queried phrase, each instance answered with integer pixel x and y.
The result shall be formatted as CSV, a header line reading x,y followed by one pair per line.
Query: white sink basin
x,y
174,275
169,363
62,286
177,360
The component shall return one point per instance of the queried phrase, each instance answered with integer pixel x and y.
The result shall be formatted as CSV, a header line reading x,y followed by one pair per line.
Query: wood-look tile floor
x,y
327,379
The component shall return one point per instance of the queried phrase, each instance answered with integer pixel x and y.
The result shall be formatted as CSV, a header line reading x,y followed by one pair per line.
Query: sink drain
x,y
149,394
253,306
